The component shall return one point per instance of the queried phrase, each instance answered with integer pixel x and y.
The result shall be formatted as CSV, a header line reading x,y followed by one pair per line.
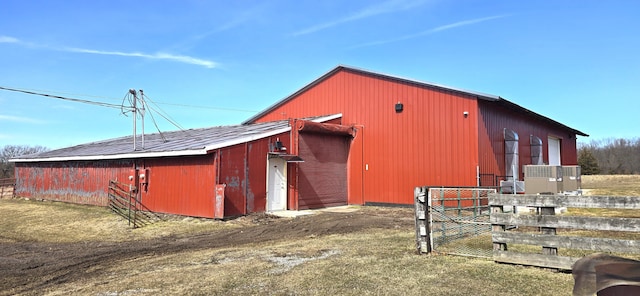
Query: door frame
x,y
552,144
275,164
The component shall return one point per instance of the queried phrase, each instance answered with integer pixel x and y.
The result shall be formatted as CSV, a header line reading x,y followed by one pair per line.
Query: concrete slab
x,y
340,209
293,214
290,214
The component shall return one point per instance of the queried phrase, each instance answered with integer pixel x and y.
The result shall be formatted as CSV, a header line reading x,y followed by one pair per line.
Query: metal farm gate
x,y
453,221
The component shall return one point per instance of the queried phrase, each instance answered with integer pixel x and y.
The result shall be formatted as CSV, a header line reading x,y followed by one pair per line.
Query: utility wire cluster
x,y
135,102
102,104
131,107
138,104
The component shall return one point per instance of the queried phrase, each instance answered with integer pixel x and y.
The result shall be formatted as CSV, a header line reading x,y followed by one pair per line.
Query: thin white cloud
x,y
382,8
157,56
431,31
20,119
8,39
464,23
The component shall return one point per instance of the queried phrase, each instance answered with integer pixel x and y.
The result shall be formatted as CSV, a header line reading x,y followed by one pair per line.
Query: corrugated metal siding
x,y
322,177
233,174
429,143
83,182
177,185
243,170
494,119
180,185
355,167
256,194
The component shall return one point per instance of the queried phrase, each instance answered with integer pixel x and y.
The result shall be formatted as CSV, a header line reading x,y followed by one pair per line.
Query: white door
x,y
276,185
554,151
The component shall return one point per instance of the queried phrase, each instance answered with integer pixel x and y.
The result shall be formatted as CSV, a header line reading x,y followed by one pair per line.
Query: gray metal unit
x,y
571,178
543,179
508,187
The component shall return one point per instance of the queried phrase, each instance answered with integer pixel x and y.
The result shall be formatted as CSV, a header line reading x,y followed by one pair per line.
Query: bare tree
x,y
10,151
615,156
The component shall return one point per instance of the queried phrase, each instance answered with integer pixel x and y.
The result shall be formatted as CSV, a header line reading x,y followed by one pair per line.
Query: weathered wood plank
x,y
570,222
549,231
531,200
423,231
569,242
547,261
498,228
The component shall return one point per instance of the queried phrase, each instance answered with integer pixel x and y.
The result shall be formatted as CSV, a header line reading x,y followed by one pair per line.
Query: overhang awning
x,y
324,128
286,157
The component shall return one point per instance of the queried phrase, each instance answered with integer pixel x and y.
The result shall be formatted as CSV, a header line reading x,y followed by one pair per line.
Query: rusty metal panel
x,y
243,170
83,182
233,174
219,206
256,190
176,185
430,142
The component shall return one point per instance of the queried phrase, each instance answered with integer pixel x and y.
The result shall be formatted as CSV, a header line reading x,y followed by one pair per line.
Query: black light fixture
x,y
279,146
399,107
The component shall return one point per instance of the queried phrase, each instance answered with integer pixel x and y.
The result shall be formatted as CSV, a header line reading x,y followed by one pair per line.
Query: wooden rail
x,y
546,222
7,188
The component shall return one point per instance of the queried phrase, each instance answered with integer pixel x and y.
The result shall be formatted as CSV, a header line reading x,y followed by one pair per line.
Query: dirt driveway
x,y
28,267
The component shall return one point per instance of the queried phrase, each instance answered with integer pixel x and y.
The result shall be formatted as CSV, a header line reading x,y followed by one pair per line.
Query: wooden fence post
x,y
548,230
497,227
422,214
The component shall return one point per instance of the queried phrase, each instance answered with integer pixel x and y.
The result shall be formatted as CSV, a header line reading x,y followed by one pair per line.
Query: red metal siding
x,y
429,143
177,185
494,119
180,185
83,182
232,173
257,171
243,170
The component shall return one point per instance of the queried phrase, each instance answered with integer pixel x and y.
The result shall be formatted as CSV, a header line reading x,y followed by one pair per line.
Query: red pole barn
x,y
349,137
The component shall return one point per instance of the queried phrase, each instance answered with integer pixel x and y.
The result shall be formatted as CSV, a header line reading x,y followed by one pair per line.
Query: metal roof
x,y
175,143
477,95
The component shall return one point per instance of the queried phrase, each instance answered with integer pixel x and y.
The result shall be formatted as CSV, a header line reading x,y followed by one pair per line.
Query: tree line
x,y
10,151
610,157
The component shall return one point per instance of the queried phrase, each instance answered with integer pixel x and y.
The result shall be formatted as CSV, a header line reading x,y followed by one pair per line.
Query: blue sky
x,y
209,63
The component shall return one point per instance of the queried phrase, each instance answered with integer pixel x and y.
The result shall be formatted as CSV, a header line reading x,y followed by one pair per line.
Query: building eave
x,y
187,152
475,94
339,68
114,156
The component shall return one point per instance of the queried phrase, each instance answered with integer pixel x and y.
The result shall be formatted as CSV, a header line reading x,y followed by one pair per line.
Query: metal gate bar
x,y
453,220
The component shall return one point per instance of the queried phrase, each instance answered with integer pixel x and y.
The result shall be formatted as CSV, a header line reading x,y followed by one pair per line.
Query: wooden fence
x,y
7,188
536,224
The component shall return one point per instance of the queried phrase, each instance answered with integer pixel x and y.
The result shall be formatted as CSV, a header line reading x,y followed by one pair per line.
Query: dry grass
x,y
56,222
621,185
370,262
615,185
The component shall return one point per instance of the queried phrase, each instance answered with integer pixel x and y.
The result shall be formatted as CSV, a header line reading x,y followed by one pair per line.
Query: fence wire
x,y
458,221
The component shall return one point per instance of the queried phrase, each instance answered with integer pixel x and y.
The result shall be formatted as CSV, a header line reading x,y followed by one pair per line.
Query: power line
x,y
66,93
207,107
102,104
162,113
43,93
